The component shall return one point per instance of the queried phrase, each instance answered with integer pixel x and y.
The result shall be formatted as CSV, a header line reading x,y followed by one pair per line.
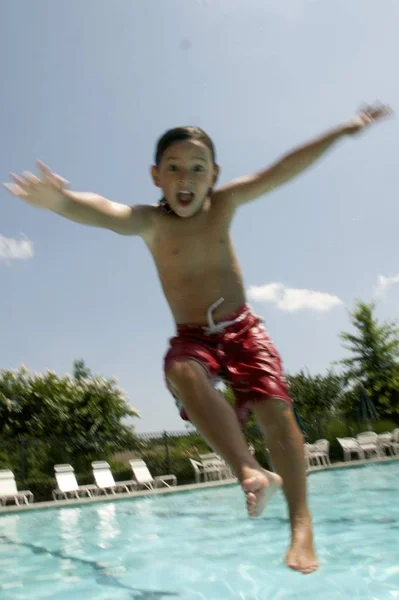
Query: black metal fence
x,y
164,452
33,459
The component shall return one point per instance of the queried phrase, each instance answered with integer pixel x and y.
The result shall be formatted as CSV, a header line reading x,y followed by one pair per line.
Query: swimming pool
x,y
200,545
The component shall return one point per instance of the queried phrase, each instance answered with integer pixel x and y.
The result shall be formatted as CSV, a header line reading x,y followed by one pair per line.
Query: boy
x,y
217,336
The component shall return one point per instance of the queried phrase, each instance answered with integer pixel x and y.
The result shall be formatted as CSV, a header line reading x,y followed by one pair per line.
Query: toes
x,y
304,569
251,497
251,502
254,484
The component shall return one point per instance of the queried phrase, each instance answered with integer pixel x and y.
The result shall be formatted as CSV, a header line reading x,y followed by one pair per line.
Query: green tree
x,y
373,360
63,416
316,398
251,429
80,370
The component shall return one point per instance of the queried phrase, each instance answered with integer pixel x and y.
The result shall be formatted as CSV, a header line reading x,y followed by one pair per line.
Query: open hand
x,y
367,116
44,192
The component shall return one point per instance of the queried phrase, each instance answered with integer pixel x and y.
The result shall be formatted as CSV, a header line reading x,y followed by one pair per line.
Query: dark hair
x,y
180,134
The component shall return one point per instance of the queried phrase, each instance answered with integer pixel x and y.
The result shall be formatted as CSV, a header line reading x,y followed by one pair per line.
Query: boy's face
x,y
185,174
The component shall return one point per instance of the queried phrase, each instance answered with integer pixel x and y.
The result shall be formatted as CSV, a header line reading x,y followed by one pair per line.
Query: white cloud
x,y
293,300
11,249
384,283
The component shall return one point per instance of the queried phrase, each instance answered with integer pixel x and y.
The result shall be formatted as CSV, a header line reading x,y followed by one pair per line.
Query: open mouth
x,y
184,197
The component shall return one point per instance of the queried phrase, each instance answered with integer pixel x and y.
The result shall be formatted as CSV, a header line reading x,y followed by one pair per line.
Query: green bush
x,y
336,428
41,488
10,457
262,453
6,461
382,426
178,465
181,467
121,472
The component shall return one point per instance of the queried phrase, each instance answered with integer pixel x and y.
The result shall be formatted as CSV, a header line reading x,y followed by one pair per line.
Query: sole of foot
x,y
259,488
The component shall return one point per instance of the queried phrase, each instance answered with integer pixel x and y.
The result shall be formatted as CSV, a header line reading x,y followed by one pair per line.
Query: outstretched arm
x,y
292,164
50,192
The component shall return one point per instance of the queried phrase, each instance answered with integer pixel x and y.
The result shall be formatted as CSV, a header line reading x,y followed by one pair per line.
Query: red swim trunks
x,y
238,352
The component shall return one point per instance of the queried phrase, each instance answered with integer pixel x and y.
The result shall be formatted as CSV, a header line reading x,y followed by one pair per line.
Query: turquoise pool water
x,y
200,545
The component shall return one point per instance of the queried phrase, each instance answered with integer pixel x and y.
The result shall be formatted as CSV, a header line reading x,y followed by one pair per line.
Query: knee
x,y
183,374
275,415
273,409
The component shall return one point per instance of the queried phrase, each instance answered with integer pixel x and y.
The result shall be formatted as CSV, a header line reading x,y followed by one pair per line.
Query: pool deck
x,y
73,502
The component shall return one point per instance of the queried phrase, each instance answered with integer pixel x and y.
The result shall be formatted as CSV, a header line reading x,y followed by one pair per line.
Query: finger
x,y
44,169
380,106
15,190
387,110
31,178
381,112
63,182
50,176
377,105
42,166
19,180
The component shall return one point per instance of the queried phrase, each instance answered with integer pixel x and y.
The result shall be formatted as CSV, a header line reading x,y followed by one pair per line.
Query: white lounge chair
x,y
105,480
322,451
215,467
9,491
313,456
395,440
68,486
384,442
350,446
368,441
306,452
198,470
144,478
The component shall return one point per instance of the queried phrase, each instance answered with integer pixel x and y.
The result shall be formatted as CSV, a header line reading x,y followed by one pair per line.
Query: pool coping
x,y
353,464
74,502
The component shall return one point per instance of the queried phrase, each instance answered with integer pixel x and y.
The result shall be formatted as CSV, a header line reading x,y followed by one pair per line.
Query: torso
x,y
197,264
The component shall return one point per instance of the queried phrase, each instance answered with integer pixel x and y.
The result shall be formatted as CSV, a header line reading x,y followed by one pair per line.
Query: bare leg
x,y
217,422
285,443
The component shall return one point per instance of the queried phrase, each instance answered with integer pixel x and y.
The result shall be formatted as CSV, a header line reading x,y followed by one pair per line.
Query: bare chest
x,y
188,248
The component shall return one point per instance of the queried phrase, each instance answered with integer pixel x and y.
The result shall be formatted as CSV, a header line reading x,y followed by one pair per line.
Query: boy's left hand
x,y
367,116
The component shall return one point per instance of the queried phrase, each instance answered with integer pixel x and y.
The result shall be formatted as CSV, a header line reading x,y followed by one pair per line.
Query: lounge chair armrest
x,y
165,478
131,482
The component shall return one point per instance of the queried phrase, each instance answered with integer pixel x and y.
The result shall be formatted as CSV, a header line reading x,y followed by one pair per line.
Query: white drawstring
x,y
219,327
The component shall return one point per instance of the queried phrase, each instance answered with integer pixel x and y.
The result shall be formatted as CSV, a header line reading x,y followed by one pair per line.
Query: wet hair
x,y
181,134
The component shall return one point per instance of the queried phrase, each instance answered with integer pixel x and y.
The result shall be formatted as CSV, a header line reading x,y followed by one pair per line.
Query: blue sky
x,y
89,86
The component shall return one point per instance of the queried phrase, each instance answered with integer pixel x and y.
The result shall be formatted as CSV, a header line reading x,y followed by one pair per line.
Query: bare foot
x,y
301,555
259,486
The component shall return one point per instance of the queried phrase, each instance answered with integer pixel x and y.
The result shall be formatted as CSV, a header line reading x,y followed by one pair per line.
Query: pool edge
x,y
180,489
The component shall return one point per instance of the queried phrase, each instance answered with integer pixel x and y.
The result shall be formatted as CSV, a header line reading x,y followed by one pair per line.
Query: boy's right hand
x,y
48,191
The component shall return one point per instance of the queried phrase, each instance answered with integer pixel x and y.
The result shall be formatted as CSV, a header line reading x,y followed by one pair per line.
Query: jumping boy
x,y
217,336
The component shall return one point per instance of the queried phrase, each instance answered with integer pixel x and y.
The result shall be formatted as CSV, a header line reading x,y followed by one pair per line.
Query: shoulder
x,y
153,220
223,204
140,219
